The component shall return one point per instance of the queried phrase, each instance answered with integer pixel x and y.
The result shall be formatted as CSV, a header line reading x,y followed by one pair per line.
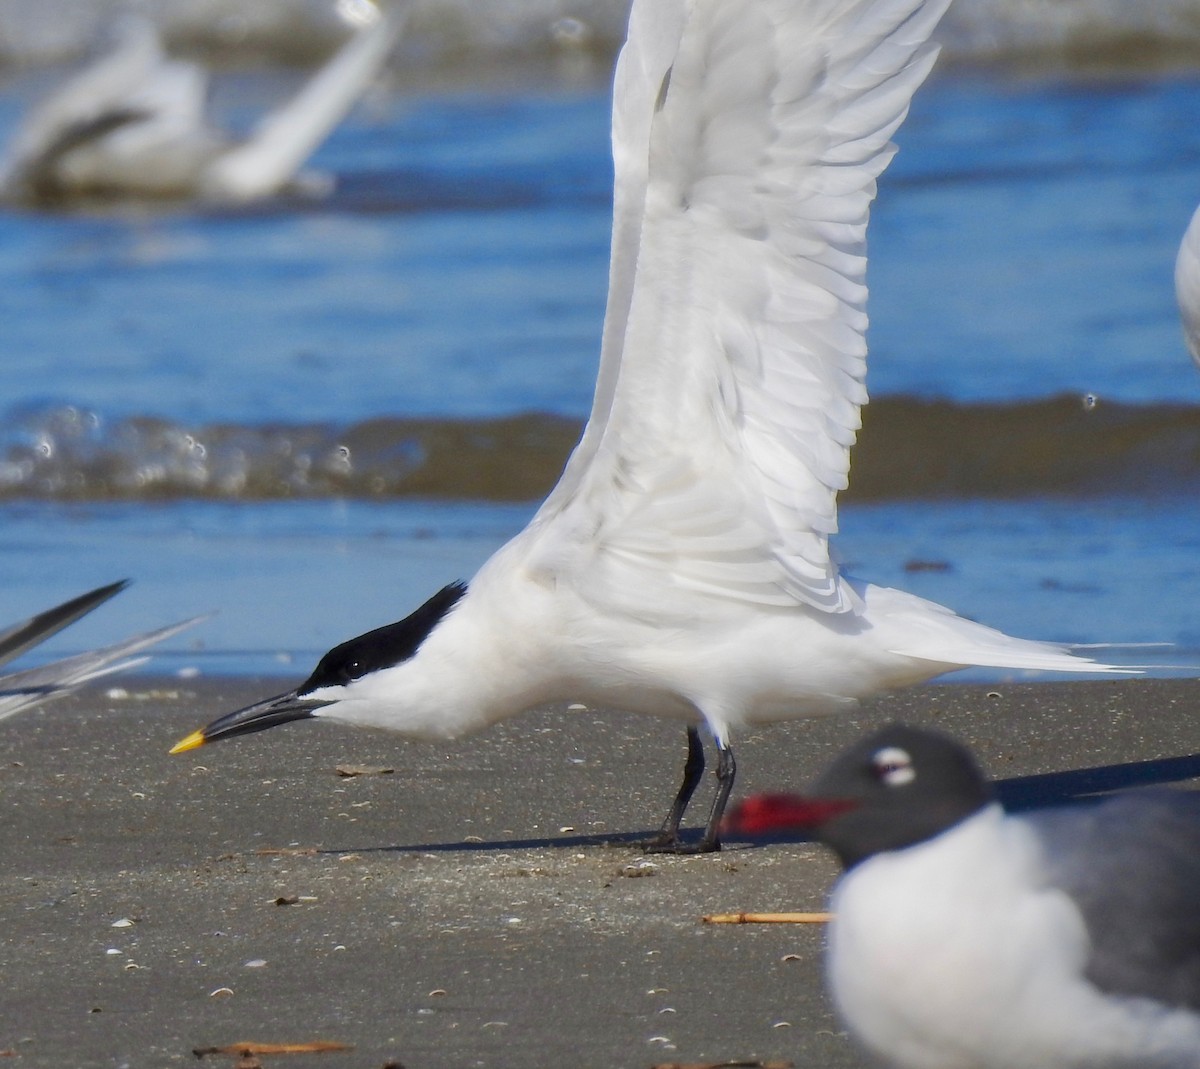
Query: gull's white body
x,y
682,565
165,147
960,953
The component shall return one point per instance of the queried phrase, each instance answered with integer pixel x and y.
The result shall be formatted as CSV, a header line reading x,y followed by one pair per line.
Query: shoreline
x,y
462,908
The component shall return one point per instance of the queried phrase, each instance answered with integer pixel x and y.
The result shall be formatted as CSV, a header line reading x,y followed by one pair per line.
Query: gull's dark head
x,y
895,788
337,674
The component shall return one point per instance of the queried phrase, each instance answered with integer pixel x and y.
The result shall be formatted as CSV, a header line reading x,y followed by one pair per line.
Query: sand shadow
x,y
1055,788
626,841
1017,793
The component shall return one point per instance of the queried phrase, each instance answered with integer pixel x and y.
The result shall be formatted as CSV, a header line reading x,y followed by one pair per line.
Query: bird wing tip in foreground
x,y
23,636
19,690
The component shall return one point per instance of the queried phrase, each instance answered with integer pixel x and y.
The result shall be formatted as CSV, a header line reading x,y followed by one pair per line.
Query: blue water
x,y
1022,246
289,579
1025,244
292,579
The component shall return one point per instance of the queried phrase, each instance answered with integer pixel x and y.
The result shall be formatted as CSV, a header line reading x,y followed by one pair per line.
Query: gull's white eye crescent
x,y
893,766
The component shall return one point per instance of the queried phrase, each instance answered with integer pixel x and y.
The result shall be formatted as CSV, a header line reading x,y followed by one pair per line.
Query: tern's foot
x,y
663,845
665,840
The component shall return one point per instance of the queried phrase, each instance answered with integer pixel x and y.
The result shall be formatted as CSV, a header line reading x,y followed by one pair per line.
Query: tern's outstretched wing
x,y
654,33
19,690
748,135
281,143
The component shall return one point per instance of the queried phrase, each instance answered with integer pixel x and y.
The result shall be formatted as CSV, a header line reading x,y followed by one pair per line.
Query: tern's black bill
x,y
257,717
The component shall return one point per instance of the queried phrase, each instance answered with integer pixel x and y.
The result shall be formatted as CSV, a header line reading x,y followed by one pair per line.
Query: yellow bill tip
x,y
196,738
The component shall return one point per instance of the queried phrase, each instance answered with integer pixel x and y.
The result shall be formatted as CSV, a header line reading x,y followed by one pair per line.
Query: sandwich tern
x,y
133,124
681,567
962,935
19,690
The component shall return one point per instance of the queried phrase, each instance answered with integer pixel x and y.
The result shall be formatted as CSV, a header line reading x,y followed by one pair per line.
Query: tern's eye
x,y
893,766
340,671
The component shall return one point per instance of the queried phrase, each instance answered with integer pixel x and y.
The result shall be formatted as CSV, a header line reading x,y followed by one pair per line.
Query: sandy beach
x,y
470,904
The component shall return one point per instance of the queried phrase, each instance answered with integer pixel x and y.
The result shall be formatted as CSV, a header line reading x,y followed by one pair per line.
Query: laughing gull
x,y
134,124
20,690
681,567
967,937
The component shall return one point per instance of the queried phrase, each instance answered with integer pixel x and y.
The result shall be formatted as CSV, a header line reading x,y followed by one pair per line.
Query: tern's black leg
x,y
667,838
726,772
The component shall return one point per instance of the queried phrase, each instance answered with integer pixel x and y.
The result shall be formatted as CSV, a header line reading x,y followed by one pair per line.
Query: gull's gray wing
x,y
1132,863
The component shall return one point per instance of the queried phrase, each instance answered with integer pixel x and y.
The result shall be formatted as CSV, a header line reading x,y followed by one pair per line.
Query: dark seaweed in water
x,y
911,448
908,448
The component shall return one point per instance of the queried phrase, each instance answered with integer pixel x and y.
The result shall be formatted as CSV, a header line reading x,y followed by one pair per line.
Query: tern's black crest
x,y
385,646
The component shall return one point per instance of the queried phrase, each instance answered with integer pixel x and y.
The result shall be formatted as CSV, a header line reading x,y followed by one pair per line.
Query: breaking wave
x,y
908,448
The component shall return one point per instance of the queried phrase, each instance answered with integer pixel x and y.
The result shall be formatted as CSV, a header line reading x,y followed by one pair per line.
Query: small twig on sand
x,y
767,918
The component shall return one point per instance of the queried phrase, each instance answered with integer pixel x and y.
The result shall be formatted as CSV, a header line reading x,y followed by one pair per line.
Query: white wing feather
x,y
654,32
748,135
287,136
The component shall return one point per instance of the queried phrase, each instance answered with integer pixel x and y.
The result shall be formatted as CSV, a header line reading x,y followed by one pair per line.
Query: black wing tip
x,y
111,589
83,604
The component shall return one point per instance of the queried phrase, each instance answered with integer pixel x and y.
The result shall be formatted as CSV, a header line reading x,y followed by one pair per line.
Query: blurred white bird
x,y
19,690
1187,285
681,567
1063,938
134,124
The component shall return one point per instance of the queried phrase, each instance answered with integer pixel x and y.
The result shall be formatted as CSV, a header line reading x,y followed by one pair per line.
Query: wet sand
x,y
462,909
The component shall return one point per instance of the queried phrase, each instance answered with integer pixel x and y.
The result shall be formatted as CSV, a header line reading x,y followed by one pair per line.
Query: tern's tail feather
x,y
931,632
19,690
